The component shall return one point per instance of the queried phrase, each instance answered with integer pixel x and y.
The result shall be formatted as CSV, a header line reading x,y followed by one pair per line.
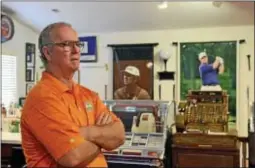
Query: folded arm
x,y
110,129
53,127
109,136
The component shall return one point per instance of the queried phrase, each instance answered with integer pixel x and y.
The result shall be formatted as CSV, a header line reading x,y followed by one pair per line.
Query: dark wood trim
x,y
242,41
175,43
243,139
133,45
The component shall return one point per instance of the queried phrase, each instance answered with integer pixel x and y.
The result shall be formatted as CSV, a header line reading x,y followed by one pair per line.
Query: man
x,y
64,124
209,72
131,90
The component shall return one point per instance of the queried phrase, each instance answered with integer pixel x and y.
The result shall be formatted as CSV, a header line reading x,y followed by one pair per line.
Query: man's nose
x,y
76,49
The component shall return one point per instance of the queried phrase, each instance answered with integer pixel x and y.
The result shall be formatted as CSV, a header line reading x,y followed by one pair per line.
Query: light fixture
x,y
55,10
217,4
163,5
164,55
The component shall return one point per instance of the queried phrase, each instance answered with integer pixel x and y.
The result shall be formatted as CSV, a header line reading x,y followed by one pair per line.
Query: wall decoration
x,y
22,101
7,28
133,71
190,74
29,86
30,62
30,73
89,51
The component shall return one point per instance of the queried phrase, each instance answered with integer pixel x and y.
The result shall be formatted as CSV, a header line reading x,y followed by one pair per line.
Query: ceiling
x,y
131,16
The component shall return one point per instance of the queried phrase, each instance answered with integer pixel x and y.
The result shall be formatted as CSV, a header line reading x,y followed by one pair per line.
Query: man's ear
x,y
46,53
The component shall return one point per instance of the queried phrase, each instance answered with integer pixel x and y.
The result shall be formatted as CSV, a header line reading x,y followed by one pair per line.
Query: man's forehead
x,y
64,33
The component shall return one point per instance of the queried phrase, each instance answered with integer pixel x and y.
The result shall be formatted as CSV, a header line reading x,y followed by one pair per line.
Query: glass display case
x,y
146,130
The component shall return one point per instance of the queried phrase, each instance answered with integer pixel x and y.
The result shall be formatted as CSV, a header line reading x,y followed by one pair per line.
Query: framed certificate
x,y
89,51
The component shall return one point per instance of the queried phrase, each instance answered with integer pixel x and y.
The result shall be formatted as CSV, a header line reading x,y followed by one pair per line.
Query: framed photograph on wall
x,y
132,77
89,51
30,55
190,75
22,101
29,86
30,62
30,75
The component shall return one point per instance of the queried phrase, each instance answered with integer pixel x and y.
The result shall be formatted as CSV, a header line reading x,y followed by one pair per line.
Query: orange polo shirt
x,y
51,118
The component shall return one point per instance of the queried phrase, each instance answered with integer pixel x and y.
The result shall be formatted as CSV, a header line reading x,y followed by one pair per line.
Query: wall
x,y
16,47
165,38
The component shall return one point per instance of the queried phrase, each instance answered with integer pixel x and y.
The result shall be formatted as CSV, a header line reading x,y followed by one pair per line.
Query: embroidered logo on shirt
x,y
89,106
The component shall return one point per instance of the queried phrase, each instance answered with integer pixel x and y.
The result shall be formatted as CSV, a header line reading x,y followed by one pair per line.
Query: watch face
x,y
7,28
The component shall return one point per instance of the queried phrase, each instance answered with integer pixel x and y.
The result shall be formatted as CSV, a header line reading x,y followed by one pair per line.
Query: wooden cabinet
x,y
201,150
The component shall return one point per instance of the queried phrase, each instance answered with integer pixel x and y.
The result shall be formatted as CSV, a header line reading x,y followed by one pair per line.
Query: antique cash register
x,y
204,111
203,138
145,125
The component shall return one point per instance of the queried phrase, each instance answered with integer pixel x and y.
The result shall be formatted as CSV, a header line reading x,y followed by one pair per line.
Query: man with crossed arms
x,y
64,124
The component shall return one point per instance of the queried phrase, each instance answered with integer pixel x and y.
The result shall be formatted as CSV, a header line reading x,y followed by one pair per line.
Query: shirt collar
x,y
55,83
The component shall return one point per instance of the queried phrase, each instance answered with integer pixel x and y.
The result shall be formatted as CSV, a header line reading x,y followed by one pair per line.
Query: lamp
x,y
164,55
165,75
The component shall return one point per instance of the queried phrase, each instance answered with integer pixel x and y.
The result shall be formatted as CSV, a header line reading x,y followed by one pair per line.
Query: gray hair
x,y
45,37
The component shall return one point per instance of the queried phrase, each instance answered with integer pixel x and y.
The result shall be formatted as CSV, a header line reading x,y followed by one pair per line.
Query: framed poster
x,y
190,75
89,51
132,77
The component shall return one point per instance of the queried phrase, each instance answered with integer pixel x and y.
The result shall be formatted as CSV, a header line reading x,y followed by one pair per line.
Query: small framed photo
x,y
89,51
22,101
30,54
29,86
30,74
30,59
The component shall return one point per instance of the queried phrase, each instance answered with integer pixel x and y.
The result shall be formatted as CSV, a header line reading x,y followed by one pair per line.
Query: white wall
x,y
165,38
16,47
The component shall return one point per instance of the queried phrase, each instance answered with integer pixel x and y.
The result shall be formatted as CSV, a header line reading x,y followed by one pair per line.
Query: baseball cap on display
x,y
132,70
201,55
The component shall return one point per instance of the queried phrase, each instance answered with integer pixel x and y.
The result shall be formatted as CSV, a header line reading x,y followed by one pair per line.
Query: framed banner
x,y
89,51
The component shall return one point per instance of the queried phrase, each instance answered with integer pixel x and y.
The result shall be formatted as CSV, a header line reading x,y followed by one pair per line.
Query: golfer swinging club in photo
x,y
209,72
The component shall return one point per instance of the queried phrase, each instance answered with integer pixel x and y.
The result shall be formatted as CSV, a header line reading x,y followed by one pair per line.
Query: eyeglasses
x,y
69,45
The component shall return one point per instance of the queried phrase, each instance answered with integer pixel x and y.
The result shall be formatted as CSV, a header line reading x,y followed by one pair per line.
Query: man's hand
x,y
221,61
104,119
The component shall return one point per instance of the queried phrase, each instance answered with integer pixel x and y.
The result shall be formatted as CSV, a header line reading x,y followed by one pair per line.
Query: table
x,y
202,150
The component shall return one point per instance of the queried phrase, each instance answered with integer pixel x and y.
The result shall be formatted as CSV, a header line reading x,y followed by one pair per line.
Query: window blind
x,y
9,79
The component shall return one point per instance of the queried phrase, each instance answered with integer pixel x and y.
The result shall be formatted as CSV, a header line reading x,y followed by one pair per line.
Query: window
x,y
9,80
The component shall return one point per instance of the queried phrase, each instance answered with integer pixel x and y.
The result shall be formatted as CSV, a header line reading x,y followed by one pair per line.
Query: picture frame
x,y
89,51
30,75
30,61
22,101
29,86
30,55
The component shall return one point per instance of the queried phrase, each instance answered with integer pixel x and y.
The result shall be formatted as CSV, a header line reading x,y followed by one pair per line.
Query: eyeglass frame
x,y
67,44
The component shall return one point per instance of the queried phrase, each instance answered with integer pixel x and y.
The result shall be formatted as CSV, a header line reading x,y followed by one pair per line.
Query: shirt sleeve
x,y
206,68
101,108
52,125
